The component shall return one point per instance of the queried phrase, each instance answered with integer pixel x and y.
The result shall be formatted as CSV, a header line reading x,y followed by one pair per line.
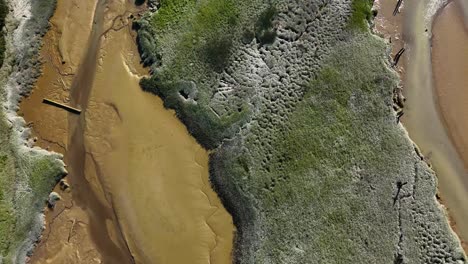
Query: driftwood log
x,y
397,57
63,106
397,7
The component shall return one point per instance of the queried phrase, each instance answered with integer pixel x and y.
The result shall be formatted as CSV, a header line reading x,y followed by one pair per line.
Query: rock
x,y
53,198
63,185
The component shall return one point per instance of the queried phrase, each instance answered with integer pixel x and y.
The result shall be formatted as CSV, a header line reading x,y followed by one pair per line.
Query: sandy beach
x,y
139,189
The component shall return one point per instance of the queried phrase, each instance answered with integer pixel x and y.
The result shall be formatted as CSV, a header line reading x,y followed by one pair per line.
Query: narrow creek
x,y
139,188
422,84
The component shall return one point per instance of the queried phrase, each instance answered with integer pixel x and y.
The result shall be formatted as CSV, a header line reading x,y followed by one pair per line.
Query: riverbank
x,y
27,173
411,28
139,188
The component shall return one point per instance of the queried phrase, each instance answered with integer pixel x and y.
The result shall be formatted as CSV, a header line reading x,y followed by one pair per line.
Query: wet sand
x,y
422,119
68,237
157,173
450,71
139,182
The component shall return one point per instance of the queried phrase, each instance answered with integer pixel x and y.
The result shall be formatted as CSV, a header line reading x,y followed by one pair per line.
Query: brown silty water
x,y
139,182
74,233
450,71
421,117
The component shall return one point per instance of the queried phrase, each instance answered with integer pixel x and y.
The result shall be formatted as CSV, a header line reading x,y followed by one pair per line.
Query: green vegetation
x,y
3,14
44,173
172,12
26,176
309,192
302,186
7,219
328,136
193,40
204,32
206,127
361,14
36,174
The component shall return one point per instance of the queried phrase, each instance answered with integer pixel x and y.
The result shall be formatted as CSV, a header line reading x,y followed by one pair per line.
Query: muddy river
x,y
139,189
434,73
450,71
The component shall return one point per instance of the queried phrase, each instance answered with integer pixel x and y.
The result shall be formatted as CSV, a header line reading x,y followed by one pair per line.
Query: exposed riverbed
x,y
139,182
412,29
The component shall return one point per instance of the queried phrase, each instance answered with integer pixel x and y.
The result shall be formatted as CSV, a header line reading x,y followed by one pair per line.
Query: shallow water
x,y
450,71
423,121
139,181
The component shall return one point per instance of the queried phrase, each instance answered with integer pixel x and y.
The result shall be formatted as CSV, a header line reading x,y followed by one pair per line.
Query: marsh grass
x,y
265,33
308,196
361,14
26,176
203,35
3,14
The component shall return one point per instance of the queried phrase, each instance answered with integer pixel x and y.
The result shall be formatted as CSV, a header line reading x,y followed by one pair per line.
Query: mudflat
x,y
139,188
154,171
68,237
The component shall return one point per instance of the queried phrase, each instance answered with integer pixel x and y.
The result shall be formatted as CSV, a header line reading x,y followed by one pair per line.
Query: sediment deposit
x,y
139,189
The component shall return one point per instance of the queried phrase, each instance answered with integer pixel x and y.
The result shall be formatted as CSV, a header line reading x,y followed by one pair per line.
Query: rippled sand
x,y
139,181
